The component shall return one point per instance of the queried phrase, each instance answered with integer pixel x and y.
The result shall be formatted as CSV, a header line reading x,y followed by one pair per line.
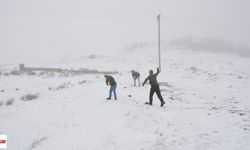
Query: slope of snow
x,y
206,94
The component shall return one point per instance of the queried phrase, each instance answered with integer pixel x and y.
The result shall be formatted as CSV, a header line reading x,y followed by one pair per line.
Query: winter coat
x,y
152,79
135,75
110,81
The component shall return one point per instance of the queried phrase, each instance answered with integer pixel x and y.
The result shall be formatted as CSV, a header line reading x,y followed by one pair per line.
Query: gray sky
x,y
50,29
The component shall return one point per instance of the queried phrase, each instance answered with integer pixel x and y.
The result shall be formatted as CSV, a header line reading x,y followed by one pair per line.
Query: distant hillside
x,y
204,44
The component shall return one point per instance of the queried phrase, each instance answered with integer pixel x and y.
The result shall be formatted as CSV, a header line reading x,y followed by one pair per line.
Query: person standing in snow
x,y
154,87
111,81
136,76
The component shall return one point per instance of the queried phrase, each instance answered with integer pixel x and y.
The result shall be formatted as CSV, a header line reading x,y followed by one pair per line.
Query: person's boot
x,y
148,103
162,103
108,98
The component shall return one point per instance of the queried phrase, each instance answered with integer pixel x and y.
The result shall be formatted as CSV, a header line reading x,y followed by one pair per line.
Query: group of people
x,y
152,78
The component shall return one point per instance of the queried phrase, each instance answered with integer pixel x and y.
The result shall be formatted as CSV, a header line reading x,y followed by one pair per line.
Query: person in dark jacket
x,y
154,87
111,81
136,76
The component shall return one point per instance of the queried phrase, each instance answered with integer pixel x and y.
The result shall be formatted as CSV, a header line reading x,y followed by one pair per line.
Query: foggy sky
x,y
50,29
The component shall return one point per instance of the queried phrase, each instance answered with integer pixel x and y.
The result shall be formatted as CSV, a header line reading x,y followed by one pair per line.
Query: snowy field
x,y
207,104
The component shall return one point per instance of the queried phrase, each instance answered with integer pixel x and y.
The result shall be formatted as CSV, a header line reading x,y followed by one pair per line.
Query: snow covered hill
x,y
207,104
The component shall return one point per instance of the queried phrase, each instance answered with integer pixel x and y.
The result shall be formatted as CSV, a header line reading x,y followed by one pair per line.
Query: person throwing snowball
x,y
154,87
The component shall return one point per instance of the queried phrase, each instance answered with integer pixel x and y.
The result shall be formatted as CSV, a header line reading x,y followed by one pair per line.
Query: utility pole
x,y
159,41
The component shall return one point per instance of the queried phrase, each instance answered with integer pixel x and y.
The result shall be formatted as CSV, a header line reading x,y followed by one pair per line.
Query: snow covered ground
x,y
207,104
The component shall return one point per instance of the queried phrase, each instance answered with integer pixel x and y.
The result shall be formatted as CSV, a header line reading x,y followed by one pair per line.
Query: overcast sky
x,y
50,29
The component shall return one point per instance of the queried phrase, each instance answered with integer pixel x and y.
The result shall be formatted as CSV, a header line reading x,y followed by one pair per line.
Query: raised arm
x,y
158,71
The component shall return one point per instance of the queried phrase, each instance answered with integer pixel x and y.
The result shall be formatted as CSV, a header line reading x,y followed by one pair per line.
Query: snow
x,y
207,104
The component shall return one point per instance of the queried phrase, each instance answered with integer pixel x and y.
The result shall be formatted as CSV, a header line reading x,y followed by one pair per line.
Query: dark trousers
x,y
153,89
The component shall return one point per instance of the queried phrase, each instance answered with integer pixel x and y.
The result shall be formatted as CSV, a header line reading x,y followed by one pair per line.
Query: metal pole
x,y
159,41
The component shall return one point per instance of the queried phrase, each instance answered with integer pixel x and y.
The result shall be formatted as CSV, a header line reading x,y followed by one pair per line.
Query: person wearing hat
x,y
136,76
111,81
154,87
